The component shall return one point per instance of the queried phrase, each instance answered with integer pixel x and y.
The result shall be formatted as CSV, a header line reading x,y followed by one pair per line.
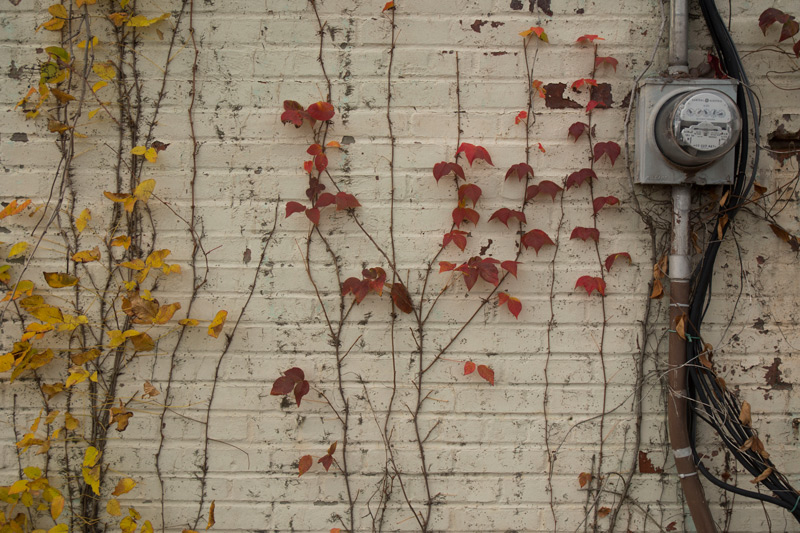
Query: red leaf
x,y
469,191
325,199
535,30
313,215
358,287
456,236
486,373
535,239
474,152
314,150
613,257
577,84
541,92
389,5
326,461
293,112
790,28
469,368
521,169
541,148
294,207
602,201
591,105
520,117
577,129
513,304
305,463
401,298
585,234
321,111
577,178
610,148
295,373
460,214
717,66
672,526
444,168
769,16
470,275
487,269
796,49
283,385
591,284
599,60
300,390
315,188
546,187
510,266
588,39
321,162
308,166
346,201
446,266
504,213
584,478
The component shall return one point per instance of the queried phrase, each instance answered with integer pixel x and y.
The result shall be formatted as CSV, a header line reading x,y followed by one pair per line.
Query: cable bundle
x,y
709,397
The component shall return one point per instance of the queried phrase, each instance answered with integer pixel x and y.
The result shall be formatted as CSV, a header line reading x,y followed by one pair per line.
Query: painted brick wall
x,y
488,447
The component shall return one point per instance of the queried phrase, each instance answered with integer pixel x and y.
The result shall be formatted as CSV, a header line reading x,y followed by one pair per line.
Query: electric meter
x,y
685,130
697,128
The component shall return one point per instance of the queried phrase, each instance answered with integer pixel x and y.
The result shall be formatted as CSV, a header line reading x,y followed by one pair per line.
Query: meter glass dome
x,y
698,127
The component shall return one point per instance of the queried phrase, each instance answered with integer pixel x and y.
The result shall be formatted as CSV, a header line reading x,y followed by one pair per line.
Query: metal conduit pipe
x,y
680,274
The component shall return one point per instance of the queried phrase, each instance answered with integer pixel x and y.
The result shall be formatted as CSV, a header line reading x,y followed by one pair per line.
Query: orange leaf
x,y
305,463
469,368
486,373
215,328
389,5
584,478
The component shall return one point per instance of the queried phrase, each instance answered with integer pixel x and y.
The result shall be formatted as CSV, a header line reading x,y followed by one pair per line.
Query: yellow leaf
x,y
215,328
56,507
37,330
6,362
91,456
60,528
136,264
52,390
165,313
143,343
72,322
39,359
112,508
138,150
84,357
33,472
93,377
122,240
70,422
14,208
147,527
77,375
156,258
87,256
106,71
46,313
18,486
151,155
61,95
17,249
83,219
125,485
118,18
211,520
55,126
117,337
93,112
99,85
95,40
92,478
58,280
128,525
79,3
139,21
145,188
23,287
188,322
60,15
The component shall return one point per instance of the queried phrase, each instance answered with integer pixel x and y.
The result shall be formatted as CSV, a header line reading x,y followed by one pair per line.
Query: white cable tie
x,y
682,453
687,475
676,304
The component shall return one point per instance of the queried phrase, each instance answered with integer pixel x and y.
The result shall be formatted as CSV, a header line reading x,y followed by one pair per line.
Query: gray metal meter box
x,y
685,129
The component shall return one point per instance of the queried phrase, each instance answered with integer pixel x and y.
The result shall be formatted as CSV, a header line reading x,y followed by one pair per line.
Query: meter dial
x,y
698,127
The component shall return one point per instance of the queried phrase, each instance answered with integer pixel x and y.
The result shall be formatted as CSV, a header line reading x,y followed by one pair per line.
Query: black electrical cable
x,y
711,401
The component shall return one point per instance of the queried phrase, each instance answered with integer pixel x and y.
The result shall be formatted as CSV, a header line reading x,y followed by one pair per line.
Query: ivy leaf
x,y
603,512
469,191
389,5
106,71
282,385
547,187
473,152
293,113
346,201
585,234
577,84
59,280
59,13
326,461
591,284
18,249
504,213
520,117
541,148
301,388
610,148
446,266
535,239
215,328
321,111
460,214
211,520
14,208
584,478
458,237
591,105
312,214
82,220
613,257
538,86
577,129
444,168
513,304
537,31
577,178
486,373
521,170
599,60
124,486
602,201
469,368
87,256
321,162
510,267
305,463
401,298
588,39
